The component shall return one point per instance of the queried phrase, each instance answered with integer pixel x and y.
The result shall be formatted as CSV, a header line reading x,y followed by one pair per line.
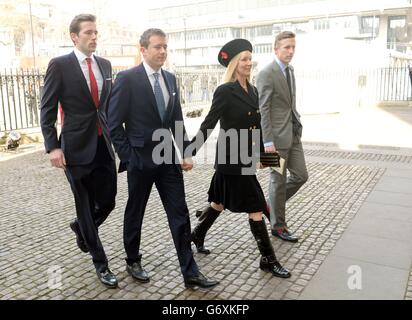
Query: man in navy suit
x,y
81,82
145,104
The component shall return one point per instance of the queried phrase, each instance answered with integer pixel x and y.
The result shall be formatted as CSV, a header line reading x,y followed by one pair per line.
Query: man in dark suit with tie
x,y
81,83
282,131
145,104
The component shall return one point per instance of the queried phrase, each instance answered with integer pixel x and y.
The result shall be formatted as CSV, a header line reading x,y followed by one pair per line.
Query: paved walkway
x,y
373,258
353,219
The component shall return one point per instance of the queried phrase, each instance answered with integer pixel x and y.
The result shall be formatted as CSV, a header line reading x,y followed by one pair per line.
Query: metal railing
x,y
393,84
340,89
20,99
317,91
197,87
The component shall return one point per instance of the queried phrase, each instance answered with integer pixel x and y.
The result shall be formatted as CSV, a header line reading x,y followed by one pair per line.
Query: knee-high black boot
x,y
268,261
199,212
208,216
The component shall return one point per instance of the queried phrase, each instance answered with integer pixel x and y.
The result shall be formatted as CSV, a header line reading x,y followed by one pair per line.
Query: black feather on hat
x,y
231,49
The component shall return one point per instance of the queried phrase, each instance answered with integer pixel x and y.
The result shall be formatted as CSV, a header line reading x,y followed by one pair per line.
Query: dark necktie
x,y
94,90
287,70
296,124
160,100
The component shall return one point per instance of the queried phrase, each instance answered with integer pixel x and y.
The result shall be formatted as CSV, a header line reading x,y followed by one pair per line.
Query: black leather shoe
x,y
74,225
200,281
202,249
107,278
284,235
273,266
137,272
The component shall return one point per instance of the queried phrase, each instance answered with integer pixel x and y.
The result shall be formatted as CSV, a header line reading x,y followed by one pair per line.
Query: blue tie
x,y
160,100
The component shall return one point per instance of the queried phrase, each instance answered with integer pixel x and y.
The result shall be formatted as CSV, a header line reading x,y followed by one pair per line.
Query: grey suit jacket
x,y
280,120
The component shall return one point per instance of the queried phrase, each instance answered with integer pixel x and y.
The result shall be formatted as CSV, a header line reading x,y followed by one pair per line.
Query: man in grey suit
x,y
282,131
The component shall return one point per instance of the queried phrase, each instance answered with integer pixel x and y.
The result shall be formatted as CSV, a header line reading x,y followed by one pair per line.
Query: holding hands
x,y
186,164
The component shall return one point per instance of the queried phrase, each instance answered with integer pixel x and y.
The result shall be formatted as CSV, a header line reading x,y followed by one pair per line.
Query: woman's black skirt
x,y
237,193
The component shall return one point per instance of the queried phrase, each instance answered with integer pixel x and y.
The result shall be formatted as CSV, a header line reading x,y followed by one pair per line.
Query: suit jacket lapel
x,y
280,78
172,94
293,84
79,75
244,96
294,94
104,76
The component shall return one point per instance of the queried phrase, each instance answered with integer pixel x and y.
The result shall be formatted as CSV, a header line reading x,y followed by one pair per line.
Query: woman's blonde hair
x,y
230,73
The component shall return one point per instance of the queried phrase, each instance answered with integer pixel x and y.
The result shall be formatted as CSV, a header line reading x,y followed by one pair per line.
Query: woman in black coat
x,y
234,185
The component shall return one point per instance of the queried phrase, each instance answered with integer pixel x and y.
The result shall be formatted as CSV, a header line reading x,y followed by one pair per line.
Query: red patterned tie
x,y
94,90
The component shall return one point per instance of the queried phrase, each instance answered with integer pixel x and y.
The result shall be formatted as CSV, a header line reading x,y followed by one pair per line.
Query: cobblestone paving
x,y
370,156
35,239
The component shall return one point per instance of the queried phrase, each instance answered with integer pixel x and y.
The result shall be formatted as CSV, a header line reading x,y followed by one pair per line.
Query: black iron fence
x,y
338,89
393,84
197,87
20,99
330,90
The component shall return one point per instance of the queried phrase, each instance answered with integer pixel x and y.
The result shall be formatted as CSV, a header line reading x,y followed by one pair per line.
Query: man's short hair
x,y
145,37
77,20
283,35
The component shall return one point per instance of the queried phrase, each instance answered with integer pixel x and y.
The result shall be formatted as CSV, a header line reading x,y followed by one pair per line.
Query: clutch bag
x,y
270,159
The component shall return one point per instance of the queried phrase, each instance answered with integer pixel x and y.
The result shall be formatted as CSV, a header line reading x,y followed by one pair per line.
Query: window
x,y
321,24
221,33
301,27
264,31
397,33
235,33
260,31
369,25
279,27
262,49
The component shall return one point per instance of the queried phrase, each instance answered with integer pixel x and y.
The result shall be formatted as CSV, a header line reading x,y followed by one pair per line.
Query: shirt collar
x,y
149,69
81,56
281,64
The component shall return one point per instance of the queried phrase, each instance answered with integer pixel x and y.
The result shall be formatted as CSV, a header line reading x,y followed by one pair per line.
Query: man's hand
x,y
57,159
270,149
186,164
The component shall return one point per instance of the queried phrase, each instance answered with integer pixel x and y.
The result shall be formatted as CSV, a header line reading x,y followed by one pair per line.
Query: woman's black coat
x,y
240,135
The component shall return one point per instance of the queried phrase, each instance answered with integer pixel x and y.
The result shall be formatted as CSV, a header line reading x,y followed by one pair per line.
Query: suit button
x,y
249,113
